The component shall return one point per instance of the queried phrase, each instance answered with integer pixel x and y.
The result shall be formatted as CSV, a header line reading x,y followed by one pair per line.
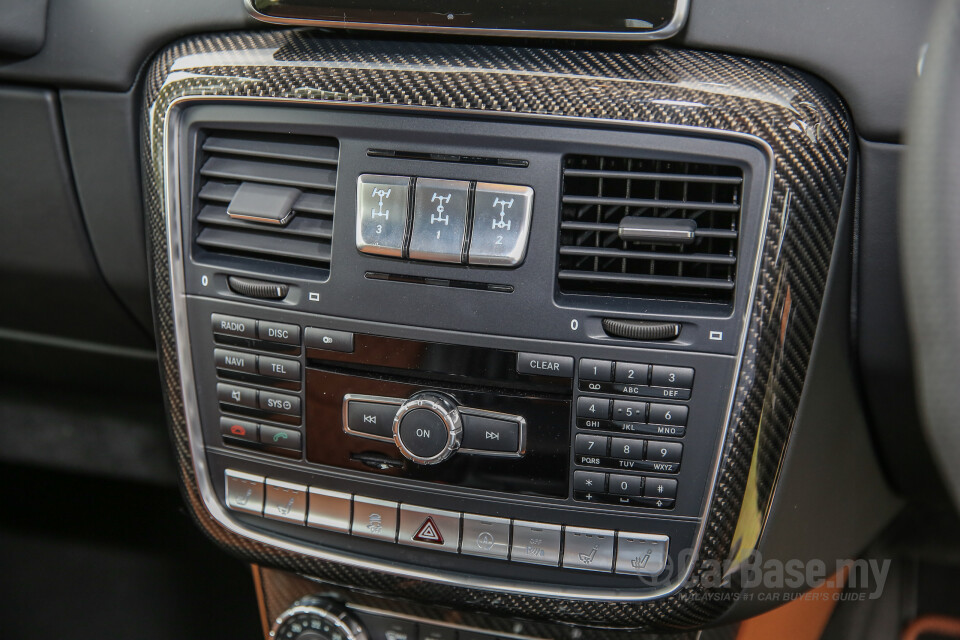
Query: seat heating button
x,y
439,220
244,491
241,396
483,433
381,214
641,554
486,536
588,549
329,510
374,518
536,543
233,326
429,528
285,501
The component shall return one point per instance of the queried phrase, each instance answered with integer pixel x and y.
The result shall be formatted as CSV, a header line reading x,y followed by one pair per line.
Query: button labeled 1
x,y
381,214
501,224
439,220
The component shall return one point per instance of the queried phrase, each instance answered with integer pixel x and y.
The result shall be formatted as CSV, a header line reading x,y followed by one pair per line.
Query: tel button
x,y
279,368
539,364
278,332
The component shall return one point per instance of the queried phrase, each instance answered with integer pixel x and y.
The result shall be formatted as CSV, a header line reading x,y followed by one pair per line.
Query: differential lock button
x,y
427,428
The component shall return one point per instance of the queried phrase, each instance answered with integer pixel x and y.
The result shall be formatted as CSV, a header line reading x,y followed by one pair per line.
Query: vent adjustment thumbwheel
x,y
317,618
427,428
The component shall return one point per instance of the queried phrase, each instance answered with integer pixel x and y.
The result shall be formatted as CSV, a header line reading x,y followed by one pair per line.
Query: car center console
x,y
511,354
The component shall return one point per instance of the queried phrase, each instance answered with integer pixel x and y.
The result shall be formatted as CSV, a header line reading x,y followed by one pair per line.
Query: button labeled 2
x,y
501,224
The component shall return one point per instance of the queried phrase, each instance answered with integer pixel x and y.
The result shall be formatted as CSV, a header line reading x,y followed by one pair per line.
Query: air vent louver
x,y
308,164
600,253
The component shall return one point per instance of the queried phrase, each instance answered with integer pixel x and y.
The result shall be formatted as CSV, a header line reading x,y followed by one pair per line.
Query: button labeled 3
x,y
501,224
381,214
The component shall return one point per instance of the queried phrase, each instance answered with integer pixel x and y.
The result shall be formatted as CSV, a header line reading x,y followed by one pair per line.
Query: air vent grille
x,y
308,164
598,254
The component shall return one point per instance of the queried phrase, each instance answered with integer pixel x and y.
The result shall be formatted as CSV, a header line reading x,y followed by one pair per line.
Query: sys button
x,y
539,364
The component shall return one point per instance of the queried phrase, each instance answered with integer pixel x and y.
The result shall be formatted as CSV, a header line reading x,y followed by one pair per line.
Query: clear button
x,y
382,214
439,220
501,224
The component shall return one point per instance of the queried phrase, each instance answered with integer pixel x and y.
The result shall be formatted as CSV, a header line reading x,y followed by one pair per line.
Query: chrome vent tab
x,y
267,197
649,228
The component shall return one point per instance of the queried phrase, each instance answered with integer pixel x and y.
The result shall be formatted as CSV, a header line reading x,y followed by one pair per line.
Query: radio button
x,y
285,501
668,414
588,481
588,549
627,448
278,332
381,214
590,445
235,360
239,429
485,536
600,370
233,326
536,543
244,492
641,554
329,510
681,377
278,437
241,396
481,433
598,408
429,528
630,373
439,220
538,364
501,224
371,418
328,339
626,485
279,368
279,403
658,451
374,518
629,411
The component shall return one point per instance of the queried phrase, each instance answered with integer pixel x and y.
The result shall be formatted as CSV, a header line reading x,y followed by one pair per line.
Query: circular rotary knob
x,y
427,428
316,618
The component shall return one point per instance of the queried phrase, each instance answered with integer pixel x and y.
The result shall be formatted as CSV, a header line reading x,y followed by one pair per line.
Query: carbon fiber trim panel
x,y
801,120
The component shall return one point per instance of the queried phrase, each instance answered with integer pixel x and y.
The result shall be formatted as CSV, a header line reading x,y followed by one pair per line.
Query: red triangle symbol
x,y
429,532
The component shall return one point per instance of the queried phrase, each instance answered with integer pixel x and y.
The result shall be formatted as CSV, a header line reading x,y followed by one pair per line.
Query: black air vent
x,y
307,164
616,212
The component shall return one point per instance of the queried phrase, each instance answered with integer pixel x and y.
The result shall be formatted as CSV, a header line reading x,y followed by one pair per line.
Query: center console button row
x,y
482,536
255,329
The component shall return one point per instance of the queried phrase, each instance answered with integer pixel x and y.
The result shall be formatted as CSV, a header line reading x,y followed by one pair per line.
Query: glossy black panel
x,y
540,15
541,471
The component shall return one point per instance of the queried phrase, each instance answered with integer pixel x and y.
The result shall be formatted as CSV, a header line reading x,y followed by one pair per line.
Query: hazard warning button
x,y
429,528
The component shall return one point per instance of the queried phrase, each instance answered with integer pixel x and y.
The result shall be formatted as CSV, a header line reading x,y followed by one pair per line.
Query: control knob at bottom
x,y
317,618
